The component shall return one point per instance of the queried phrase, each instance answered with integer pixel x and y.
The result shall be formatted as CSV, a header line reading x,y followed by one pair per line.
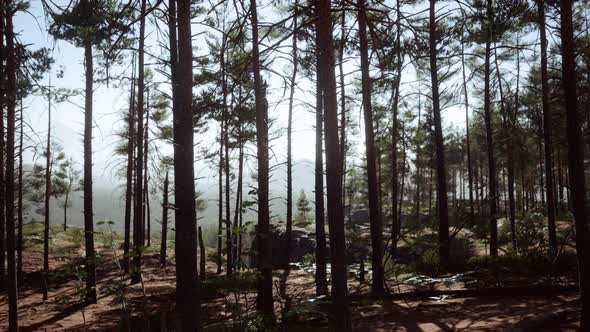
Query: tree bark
x,y
202,257
489,137
228,228
508,118
187,283
264,300
376,225
47,196
138,211
343,114
341,310
441,176
575,159
467,136
129,184
19,238
395,222
237,212
3,100
163,242
9,180
88,209
288,234
146,198
321,282
220,199
547,137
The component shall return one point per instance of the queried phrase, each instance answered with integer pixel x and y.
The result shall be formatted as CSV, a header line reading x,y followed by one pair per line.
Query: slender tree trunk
x,y
395,222
138,212
560,180
341,310
19,238
88,209
173,47
490,140
9,180
418,162
65,209
467,136
321,282
441,176
220,199
547,137
509,126
343,113
374,208
129,184
164,244
264,300
542,172
47,196
576,159
228,228
402,177
3,100
187,282
238,251
146,198
294,59
202,257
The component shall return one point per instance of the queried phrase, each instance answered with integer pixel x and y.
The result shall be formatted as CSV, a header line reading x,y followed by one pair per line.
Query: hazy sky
x,y
110,103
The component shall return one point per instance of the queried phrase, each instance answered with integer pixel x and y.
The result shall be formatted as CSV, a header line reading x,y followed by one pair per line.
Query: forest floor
x,y
151,307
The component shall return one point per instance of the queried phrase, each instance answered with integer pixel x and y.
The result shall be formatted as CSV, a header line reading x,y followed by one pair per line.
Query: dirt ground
x,y
63,312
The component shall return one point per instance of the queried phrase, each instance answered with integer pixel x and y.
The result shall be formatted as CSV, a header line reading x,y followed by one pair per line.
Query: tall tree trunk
x,y
129,171
187,283
489,138
2,152
9,180
138,212
173,47
264,300
146,198
374,208
541,160
343,113
441,176
294,59
547,137
228,228
467,136
418,161
164,244
237,239
395,222
402,176
88,209
509,125
341,310
560,184
220,199
19,238
576,159
321,282
47,197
